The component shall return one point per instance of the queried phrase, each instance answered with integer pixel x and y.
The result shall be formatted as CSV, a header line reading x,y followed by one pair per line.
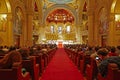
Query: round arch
x,y
63,7
113,6
115,19
8,6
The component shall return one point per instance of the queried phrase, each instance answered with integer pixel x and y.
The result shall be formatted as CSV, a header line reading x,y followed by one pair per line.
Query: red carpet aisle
x,y
61,68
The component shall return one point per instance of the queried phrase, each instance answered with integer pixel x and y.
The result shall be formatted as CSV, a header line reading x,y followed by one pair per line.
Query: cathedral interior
x,y
29,22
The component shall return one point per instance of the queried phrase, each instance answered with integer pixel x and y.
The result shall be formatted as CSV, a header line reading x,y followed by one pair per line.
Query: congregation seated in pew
x,y
11,65
10,58
104,60
101,58
24,53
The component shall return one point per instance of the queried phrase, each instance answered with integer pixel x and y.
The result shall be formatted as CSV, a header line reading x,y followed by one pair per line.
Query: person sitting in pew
x,y
104,60
24,53
7,61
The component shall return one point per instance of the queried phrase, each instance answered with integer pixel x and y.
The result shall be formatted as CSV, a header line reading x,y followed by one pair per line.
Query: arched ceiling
x,y
61,1
49,3
76,7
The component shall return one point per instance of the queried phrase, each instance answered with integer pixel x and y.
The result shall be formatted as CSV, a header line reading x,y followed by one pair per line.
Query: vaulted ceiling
x,y
61,1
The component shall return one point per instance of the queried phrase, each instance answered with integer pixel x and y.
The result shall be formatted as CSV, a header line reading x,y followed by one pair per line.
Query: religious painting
x,y
18,21
103,23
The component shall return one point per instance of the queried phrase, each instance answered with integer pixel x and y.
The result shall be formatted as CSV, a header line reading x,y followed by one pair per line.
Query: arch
x,y
73,12
113,6
8,6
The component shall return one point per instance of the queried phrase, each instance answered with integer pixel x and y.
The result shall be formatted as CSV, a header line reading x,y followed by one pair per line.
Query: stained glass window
x,y
68,29
59,30
52,29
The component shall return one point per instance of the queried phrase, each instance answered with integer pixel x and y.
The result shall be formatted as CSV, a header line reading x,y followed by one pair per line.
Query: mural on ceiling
x,y
60,1
18,21
72,3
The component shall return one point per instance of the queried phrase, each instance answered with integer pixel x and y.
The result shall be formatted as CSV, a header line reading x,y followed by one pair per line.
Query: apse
x,y
60,16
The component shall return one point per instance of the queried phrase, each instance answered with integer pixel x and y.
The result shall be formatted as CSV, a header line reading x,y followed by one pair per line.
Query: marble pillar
x,y
9,29
91,33
111,30
30,30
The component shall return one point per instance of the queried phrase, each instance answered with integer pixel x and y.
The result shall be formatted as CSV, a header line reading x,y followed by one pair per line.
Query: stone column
x,y
78,34
91,27
97,38
29,30
111,30
78,25
91,23
41,34
29,21
9,28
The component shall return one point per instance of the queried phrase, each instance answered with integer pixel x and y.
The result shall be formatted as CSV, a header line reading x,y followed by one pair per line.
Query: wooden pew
x,y
14,73
31,66
113,73
84,62
91,70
